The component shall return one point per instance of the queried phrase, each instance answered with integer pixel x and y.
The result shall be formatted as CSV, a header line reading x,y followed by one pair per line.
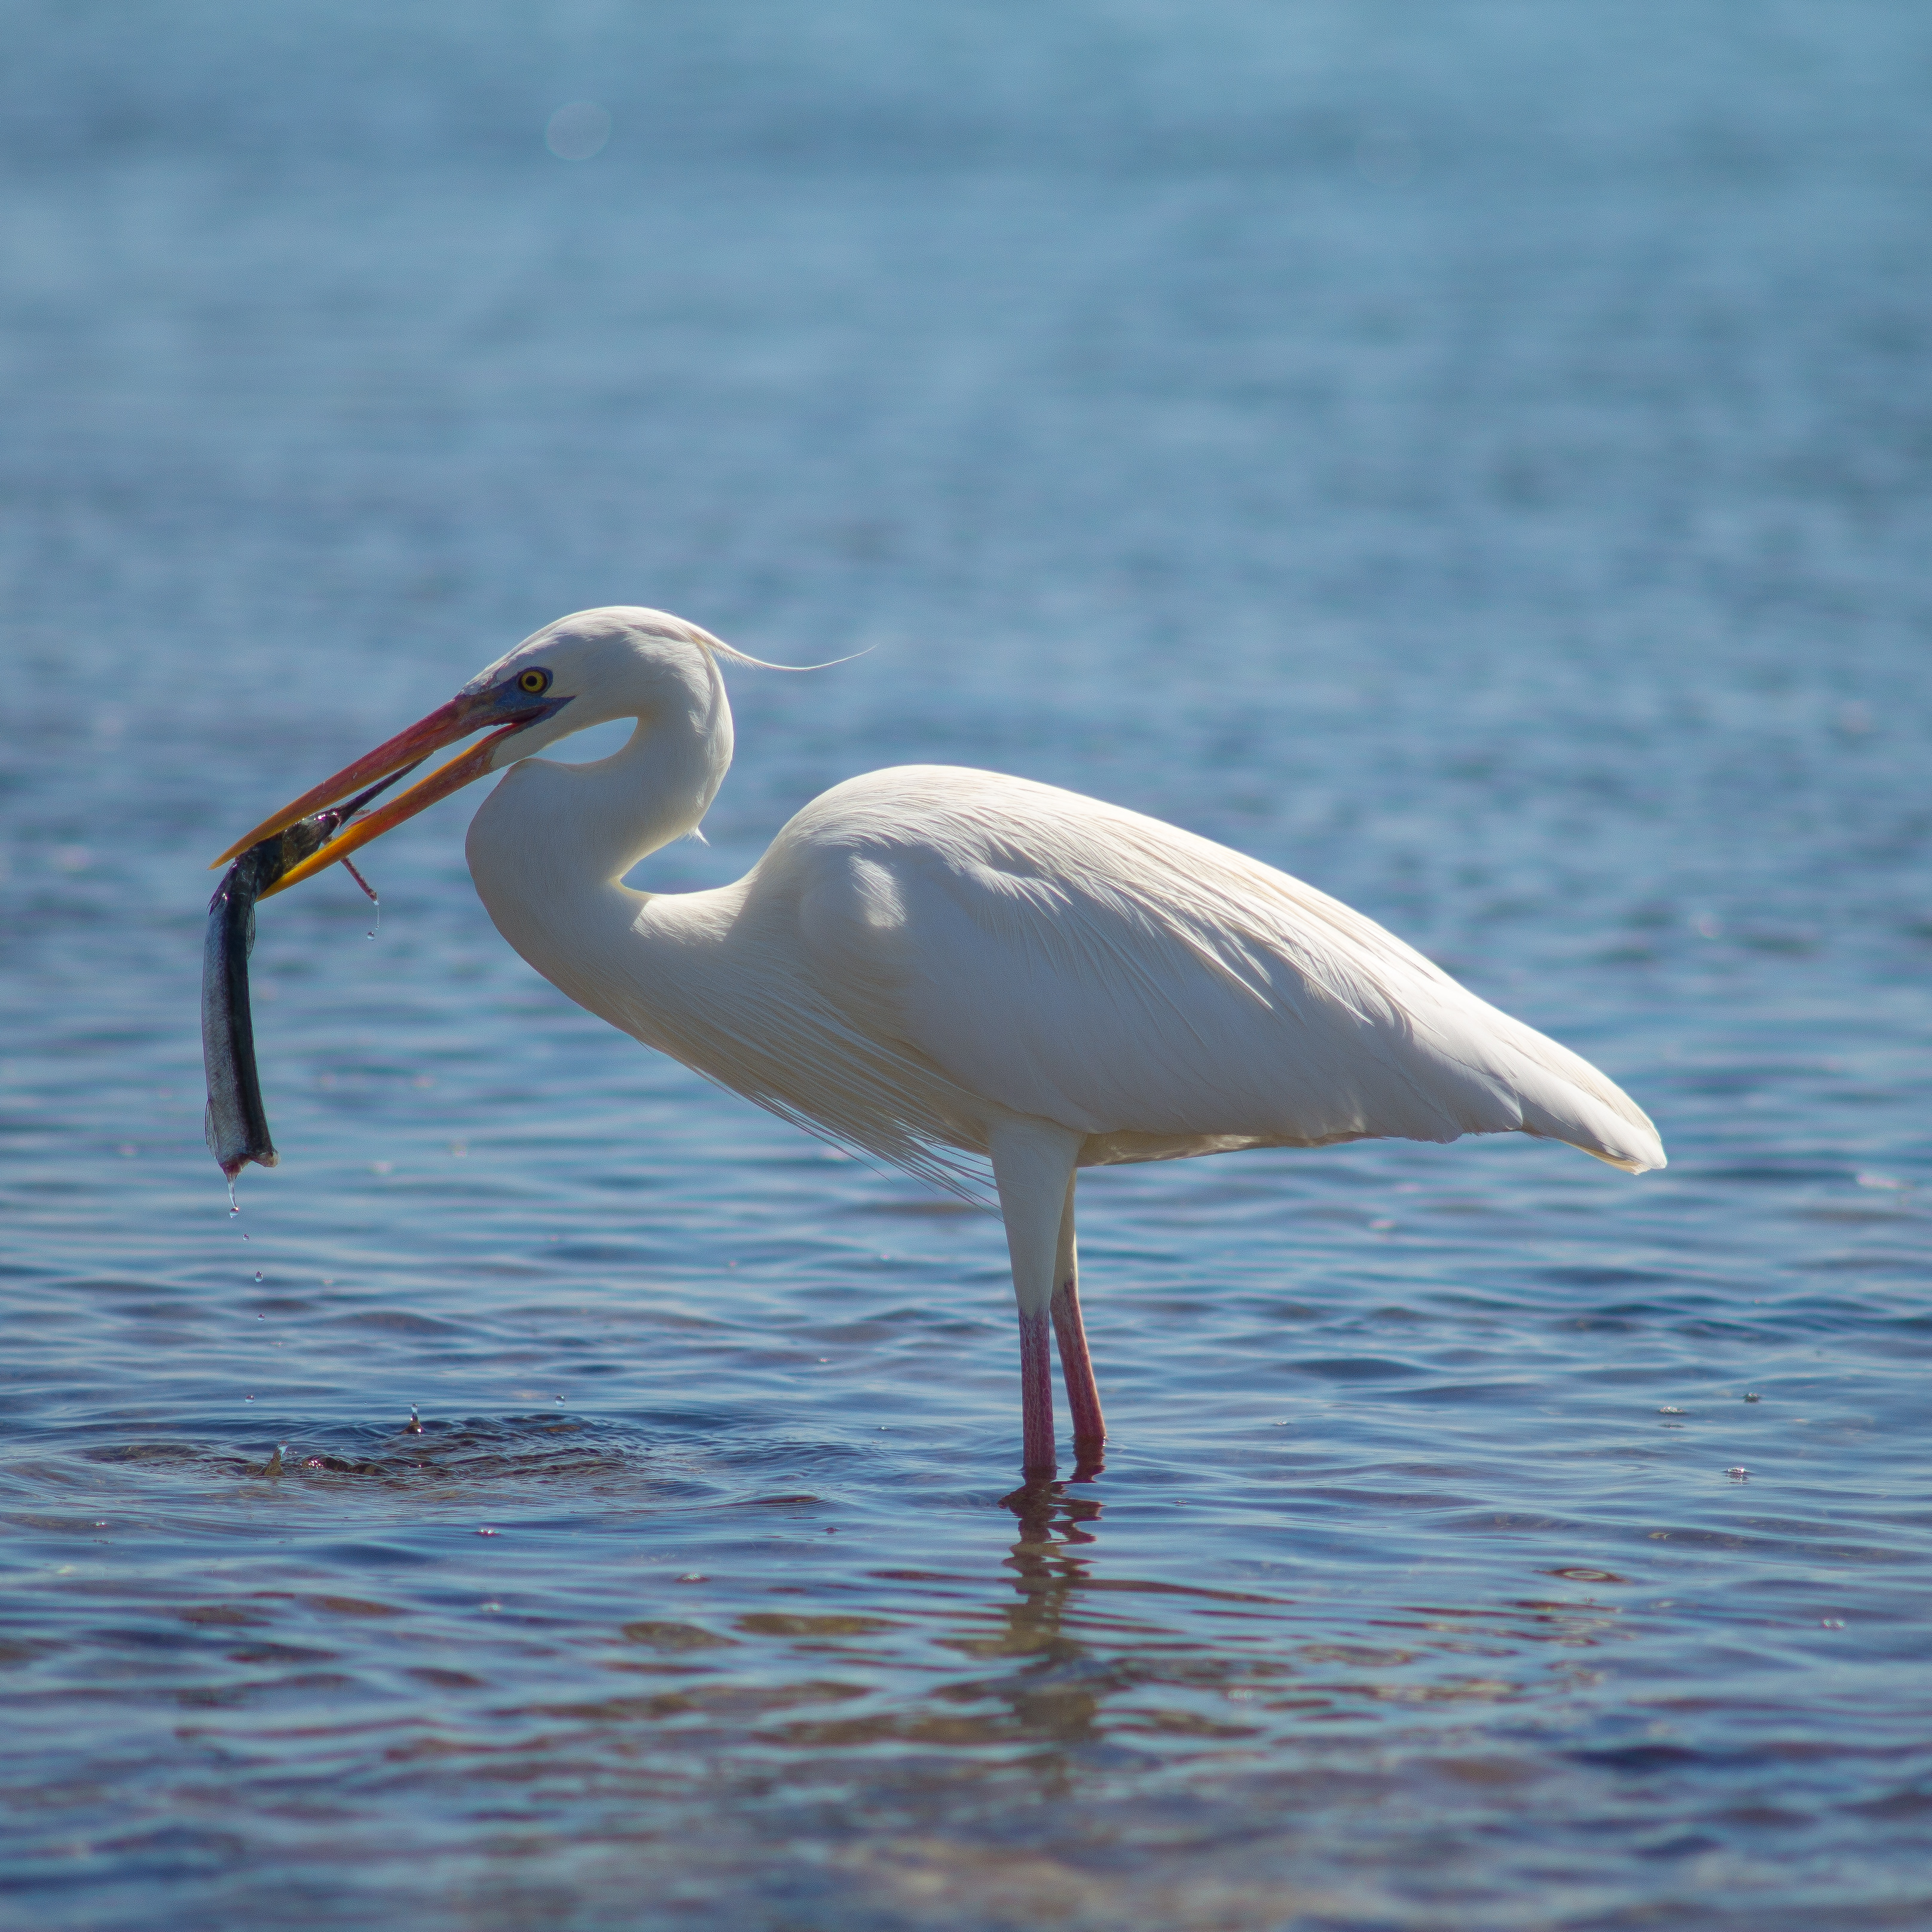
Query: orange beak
x,y
510,709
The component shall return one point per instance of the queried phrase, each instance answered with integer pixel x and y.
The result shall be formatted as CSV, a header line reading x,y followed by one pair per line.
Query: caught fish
x,y
237,1126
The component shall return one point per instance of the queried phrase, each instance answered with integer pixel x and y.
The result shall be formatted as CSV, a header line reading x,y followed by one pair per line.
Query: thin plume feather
x,y
731,654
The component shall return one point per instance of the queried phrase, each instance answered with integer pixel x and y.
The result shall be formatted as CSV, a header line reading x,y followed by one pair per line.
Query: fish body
x,y
238,1127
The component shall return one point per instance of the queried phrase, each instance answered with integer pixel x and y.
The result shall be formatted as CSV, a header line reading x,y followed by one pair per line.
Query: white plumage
x,y
938,966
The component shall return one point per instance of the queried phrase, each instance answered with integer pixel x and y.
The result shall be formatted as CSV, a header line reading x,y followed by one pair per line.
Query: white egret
x,y
932,965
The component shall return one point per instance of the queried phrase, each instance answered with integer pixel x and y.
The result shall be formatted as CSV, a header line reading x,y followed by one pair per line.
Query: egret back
x,y
1154,991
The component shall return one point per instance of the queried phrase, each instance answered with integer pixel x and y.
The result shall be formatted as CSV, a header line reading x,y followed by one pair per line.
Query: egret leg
x,y
1076,1367
1032,1165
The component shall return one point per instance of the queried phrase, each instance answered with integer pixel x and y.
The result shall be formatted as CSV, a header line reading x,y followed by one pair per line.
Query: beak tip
x,y
402,752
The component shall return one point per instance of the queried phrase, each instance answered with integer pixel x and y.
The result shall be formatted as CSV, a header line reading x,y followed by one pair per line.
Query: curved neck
x,y
551,829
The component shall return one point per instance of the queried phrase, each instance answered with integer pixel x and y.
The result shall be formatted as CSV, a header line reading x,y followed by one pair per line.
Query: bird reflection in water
x,y
1045,1704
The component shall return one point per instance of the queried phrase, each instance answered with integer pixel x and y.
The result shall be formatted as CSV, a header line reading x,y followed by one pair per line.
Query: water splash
x,y
415,1422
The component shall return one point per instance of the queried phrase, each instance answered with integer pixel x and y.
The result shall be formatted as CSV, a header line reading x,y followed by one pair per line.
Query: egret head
x,y
623,661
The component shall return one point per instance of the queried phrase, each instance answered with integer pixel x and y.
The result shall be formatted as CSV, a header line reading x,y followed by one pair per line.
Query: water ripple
x,y
1475,468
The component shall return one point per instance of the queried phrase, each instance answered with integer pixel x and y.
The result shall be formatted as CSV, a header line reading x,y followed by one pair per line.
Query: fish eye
x,y
533,682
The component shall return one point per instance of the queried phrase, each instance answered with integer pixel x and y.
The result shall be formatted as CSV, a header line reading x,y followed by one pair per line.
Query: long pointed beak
x,y
358,832
471,711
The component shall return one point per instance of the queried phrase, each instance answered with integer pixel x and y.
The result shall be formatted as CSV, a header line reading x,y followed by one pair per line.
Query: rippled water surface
x,y
1473,458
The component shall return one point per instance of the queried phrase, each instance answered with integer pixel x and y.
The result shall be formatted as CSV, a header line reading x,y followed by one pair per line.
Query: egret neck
x,y
549,846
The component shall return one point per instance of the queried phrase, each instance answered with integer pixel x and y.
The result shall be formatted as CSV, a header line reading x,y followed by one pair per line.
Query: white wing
x,y
1151,989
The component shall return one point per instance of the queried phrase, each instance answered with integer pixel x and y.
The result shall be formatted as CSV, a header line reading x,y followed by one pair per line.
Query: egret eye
x,y
533,682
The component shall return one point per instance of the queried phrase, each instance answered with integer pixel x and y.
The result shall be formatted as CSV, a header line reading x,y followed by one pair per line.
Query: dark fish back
x,y
237,1122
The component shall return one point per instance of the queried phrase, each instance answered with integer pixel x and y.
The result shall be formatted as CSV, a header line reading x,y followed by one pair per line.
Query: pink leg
x,y
1083,1393
1083,1396
1033,1165
1035,1397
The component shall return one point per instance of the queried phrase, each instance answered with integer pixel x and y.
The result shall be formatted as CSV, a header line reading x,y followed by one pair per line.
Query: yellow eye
x,y
533,682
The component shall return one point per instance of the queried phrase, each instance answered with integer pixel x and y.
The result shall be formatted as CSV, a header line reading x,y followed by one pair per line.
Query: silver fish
x,y
237,1126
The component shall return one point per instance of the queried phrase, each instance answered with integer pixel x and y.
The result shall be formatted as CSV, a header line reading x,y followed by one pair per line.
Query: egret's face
x,y
600,665
580,671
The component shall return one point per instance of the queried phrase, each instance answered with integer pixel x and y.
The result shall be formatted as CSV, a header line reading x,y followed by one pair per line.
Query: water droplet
x,y
486,1531
1752,1395
234,1206
1737,1474
692,1576
373,899
258,1274
1668,1410
1831,1623
490,1606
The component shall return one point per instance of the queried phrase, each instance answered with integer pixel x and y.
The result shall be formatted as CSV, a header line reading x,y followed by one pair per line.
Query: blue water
x,y
1475,458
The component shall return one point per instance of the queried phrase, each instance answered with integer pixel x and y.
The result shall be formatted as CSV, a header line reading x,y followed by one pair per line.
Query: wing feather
x,y
1155,990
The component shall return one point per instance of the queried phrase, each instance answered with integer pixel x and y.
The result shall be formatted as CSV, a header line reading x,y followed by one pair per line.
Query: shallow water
x,y
1478,465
